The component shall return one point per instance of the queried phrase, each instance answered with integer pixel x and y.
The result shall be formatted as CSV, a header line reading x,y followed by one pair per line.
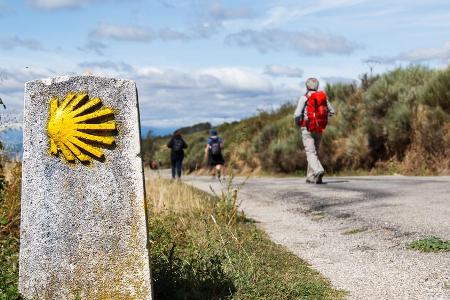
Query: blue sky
x,y
196,61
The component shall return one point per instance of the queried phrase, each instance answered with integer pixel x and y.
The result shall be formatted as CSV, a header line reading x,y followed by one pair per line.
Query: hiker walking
x,y
311,115
177,146
213,151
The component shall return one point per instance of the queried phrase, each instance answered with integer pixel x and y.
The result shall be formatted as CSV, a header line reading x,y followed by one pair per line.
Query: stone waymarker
x,y
83,227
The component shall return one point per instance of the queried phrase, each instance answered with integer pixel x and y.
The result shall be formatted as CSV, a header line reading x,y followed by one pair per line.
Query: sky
x,y
214,61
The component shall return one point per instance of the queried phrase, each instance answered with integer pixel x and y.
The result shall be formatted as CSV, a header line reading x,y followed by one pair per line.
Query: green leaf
x,y
3,221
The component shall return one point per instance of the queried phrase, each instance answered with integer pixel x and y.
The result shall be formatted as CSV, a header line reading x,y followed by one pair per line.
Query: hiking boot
x,y
318,178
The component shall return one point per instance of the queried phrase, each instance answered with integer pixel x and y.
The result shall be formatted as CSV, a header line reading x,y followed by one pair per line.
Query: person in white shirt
x,y
311,140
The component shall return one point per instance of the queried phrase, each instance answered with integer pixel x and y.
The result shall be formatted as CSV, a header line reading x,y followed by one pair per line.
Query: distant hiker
x,y
213,151
177,146
154,165
311,115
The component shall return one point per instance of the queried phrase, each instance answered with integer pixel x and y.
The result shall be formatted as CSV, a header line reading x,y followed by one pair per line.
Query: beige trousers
x,y
311,142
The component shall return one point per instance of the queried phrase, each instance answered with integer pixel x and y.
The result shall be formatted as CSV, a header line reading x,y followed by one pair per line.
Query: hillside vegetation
x,y
398,122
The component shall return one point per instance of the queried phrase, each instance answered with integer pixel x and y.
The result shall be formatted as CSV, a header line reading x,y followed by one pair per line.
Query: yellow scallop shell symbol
x,y
78,126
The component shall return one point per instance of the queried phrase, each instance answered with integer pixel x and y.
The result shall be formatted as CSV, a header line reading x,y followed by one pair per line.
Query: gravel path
x,y
354,230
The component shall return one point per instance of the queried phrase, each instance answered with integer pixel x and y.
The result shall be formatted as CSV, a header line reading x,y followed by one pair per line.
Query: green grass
x,y
9,233
9,264
202,253
203,248
430,244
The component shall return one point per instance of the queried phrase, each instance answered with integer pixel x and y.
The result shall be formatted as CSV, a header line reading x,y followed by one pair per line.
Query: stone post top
x,y
64,78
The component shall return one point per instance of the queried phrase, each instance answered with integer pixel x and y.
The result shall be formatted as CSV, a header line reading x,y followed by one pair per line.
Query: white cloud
x,y
283,71
283,14
298,41
238,80
168,34
57,4
417,55
96,47
219,12
174,98
106,64
17,42
13,82
338,79
210,21
123,33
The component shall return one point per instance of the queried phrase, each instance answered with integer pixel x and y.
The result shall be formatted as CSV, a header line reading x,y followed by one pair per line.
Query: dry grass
x,y
10,204
174,197
203,248
9,232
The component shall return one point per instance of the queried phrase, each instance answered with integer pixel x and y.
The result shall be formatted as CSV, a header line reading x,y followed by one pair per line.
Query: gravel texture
x,y
83,228
355,230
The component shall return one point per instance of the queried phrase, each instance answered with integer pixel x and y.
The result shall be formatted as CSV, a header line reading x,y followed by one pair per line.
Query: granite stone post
x,y
83,227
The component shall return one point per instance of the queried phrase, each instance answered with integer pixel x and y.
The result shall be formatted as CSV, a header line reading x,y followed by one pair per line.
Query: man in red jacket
x,y
311,128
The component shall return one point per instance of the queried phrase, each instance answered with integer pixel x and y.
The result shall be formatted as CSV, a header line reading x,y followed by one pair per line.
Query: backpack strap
x,y
306,104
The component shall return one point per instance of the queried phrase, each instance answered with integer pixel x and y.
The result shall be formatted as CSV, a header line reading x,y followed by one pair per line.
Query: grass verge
x,y
430,244
9,234
203,249
9,268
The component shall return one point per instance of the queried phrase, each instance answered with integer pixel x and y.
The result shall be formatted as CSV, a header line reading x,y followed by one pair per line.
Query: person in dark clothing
x,y
213,151
177,146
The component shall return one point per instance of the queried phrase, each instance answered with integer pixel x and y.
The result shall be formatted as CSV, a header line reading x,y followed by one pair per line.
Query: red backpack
x,y
316,111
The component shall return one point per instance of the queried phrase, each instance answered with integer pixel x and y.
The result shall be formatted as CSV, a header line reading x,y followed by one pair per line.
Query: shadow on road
x,y
335,181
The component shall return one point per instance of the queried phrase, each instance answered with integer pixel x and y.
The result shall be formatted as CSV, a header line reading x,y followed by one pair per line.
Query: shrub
x,y
195,153
437,92
265,137
399,117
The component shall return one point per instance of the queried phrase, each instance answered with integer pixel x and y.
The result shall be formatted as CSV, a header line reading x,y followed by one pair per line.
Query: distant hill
x,y
164,132
156,131
195,128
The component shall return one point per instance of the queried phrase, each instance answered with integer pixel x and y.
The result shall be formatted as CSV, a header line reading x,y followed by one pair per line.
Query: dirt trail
x,y
354,230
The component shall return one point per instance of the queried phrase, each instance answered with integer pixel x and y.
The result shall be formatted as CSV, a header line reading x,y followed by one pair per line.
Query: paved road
x,y
354,230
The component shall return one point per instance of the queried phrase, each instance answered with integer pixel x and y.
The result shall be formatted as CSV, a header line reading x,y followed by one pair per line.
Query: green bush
x,y
431,130
195,153
265,138
437,92
398,127
397,117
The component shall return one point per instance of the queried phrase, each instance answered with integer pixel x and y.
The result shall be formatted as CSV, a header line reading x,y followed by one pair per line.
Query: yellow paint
x,y
74,132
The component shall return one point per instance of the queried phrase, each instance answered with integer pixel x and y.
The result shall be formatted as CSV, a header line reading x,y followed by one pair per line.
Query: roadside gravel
x,y
355,230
